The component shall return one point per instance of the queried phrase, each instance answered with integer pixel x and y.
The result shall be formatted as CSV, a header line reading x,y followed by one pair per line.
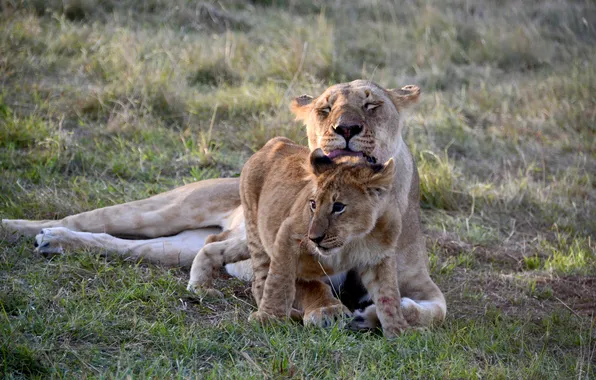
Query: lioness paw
x,y
326,316
204,292
49,241
395,330
365,319
410,310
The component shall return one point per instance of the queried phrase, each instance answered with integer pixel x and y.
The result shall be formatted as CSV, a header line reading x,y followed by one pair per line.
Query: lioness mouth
x,y
347,152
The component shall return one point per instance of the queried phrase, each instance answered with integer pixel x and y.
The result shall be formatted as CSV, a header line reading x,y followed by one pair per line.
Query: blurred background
x,y
108,101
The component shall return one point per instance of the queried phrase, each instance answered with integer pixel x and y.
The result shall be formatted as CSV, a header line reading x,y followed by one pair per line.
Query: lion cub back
x,y
269,184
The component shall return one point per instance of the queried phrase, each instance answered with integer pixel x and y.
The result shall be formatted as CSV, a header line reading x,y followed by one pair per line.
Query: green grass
x,y
82,314
103,102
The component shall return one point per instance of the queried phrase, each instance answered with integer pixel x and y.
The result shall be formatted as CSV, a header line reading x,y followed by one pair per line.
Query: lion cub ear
x,y
383,178
404,97
301,106
319,162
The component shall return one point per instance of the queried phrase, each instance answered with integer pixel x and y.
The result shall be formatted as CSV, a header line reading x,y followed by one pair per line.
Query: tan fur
x,y
277,188
184,208
422,302
184,216
227,247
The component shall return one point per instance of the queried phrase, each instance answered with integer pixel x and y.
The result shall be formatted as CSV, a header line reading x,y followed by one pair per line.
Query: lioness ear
x,y
301,106
319,162
404,97
384,176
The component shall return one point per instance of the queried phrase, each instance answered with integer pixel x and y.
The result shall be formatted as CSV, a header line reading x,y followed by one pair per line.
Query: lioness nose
x,y
317,239
348,131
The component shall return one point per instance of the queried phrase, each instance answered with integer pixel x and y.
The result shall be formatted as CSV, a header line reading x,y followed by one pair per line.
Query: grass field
x,y
106,101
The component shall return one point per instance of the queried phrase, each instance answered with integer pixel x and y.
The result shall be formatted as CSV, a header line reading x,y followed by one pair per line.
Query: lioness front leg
x,y
382,284
177,250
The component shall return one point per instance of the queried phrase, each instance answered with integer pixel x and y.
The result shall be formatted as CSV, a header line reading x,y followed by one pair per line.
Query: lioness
x,y
308,216
355,118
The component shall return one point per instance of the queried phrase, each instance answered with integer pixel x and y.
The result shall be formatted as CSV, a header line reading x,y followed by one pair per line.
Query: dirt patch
x,y
507,255
448,243
527,295
236,304
498,279
576,293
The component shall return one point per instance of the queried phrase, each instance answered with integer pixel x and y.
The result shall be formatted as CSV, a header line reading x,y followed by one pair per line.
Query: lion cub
x,y
308,217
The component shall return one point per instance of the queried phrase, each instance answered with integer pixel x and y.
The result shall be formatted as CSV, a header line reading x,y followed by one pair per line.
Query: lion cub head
x,y
347,199
359,118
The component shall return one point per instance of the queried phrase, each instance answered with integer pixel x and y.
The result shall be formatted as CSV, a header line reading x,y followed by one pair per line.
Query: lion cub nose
x,y
316,239
348,131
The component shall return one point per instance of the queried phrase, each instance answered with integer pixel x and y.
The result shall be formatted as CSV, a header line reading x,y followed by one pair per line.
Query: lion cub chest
x,y
310,267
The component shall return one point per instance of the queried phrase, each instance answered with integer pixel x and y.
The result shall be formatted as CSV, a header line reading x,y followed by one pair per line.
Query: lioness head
x,y
358,118
347,199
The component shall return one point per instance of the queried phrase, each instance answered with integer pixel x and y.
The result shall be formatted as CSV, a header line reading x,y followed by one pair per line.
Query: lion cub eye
x,y
338,208
313,205
371,106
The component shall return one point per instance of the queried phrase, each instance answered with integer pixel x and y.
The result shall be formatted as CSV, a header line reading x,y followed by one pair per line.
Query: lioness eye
x,y
325,110
371,106
338,208
313,205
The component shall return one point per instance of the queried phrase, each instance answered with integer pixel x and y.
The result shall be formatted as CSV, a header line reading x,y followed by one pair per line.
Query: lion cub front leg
x,y
279,288
381,282
260,267
320,307
212,257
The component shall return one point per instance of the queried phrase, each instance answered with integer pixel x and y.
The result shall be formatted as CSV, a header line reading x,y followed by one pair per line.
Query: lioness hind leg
x,y
424,304
197,205
423,308
28,227
178,250
221,249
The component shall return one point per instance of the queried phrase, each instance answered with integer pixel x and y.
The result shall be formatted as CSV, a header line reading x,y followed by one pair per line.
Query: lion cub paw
x,y
326,316
263,318
204,292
